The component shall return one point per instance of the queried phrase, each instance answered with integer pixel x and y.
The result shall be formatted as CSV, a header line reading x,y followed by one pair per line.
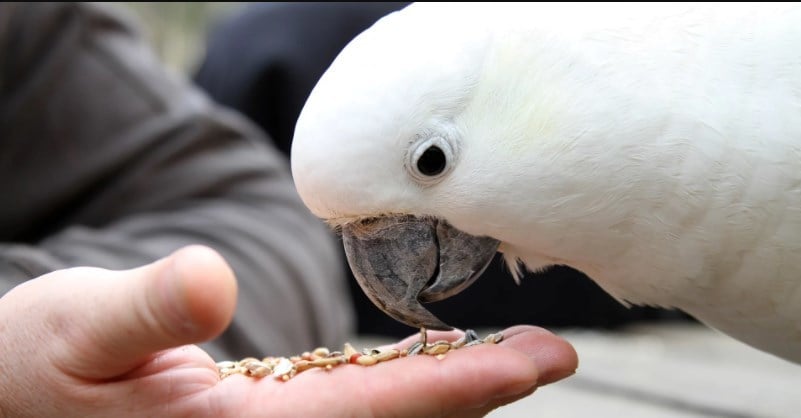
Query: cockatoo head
x,y
385,149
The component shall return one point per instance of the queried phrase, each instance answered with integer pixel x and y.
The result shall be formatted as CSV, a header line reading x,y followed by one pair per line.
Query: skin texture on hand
x,y
92,342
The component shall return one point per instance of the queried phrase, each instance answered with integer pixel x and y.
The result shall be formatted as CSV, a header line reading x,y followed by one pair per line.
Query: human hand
x,y
92,342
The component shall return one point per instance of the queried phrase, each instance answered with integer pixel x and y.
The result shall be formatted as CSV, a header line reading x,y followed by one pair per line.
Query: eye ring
x,y
430,159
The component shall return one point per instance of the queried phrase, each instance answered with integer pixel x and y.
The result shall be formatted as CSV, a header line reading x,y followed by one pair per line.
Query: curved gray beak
x,y
401,261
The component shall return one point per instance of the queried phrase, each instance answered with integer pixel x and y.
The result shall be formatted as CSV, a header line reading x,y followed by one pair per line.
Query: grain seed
x,y
349,351
255,367
321,352
366,360
437,348
387,355
283,368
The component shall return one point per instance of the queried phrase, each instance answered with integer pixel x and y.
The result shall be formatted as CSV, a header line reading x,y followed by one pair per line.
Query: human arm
x,y
108,160
129,355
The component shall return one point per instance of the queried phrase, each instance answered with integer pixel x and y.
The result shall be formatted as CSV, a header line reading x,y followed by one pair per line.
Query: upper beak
x,y
401,261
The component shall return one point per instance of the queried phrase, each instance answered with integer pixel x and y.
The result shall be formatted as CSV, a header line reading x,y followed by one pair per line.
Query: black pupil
x,y
432,162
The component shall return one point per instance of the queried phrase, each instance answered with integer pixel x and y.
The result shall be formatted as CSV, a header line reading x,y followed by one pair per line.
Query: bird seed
x,y
284,368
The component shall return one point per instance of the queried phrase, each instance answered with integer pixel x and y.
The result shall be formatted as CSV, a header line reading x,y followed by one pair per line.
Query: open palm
x,y
94,342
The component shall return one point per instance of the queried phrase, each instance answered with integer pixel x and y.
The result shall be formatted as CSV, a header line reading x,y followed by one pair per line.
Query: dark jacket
x,y
107,160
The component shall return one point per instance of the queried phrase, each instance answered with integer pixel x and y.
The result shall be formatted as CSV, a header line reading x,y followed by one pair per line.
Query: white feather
x,y
655,147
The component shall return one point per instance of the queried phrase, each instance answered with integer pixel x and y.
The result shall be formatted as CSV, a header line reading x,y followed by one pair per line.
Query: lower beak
x,y
401,261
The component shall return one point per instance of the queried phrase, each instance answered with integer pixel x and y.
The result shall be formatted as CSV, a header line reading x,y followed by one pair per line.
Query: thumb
x,y
187,297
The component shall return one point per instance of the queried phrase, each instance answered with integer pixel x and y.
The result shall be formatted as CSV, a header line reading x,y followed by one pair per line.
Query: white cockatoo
x,y
654,147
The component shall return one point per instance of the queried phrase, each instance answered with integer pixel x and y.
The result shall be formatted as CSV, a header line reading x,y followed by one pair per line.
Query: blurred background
x,y
177,30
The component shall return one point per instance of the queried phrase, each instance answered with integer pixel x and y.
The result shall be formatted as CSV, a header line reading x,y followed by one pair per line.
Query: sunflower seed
x,y
414,349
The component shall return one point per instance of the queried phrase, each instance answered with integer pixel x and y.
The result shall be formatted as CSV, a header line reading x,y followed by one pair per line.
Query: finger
x,y
467,382
555,361
492,405
185,298
419,386
464,380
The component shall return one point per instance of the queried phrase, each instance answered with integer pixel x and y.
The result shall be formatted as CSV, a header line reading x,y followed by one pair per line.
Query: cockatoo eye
x,y
430,159
432,162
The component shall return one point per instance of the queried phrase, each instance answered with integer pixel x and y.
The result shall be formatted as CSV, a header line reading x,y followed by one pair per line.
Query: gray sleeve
x,y
108,160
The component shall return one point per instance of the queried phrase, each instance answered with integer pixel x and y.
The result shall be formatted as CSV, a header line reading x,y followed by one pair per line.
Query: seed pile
x,y
284,368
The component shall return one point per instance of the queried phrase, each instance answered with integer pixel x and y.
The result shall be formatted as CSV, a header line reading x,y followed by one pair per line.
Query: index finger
x,y
555,361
